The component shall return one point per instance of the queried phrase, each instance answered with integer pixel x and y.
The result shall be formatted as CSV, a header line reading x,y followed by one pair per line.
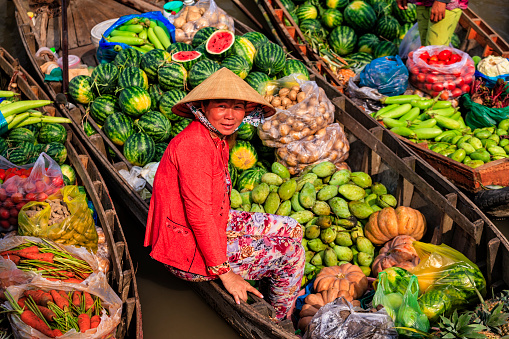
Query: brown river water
x,y
170,308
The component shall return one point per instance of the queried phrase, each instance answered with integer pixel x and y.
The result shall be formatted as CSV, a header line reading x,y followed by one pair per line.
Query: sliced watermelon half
x,y
219,44
187,58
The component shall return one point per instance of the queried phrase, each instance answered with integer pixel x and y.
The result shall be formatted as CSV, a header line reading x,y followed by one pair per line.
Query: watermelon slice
x,y
187,58
219,44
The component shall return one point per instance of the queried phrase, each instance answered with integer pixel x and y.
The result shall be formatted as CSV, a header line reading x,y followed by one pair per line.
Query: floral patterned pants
x,y
260,246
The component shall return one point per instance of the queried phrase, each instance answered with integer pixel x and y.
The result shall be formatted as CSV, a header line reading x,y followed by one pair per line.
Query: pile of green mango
x,y
333,206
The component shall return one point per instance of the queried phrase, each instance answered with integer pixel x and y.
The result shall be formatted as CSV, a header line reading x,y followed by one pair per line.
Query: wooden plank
x,y
80,19
71,30
446,224
491,256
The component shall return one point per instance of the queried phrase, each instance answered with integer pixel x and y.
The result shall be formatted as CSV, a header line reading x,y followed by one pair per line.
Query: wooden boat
x,y
121,276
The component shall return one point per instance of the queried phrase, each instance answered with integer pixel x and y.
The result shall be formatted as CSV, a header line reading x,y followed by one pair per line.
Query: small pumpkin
x,y
346,277
388,223
398,252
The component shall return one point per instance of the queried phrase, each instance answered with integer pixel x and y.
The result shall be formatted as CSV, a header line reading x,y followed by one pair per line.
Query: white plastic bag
x,y
133,178
149,172
365,97
410,42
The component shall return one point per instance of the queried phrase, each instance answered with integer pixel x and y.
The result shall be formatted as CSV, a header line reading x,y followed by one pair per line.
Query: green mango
x,y
496,150
304,243
235,199
504,124
343,253
328,235
316,260
319,268
307,196
368,191
500,132
312,221
467,147
309,255
339,207
303,179
467,159
490,143
280,170
458,155
246,207
272,179
386,200
317,183
378,188
257,208
366,270
343,239
316,245
503,142
365,245
340,178
361,179
463,139
260,193
246,197
474,163
376,208
351,192
455,139
495,138
273,188
364,259
285,208
371,199
309,268
295,203
312,232
324,221
481,154
482,134
287,189
302,217
330,259
321,208
498,157
506,147
272,203
327,179
357,231
327,192
324,169
359,209
347,223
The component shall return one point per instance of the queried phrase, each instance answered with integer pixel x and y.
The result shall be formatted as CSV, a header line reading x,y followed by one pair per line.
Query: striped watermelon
x,y
244,48
306,11
168,100
201,71
385,48
246,132
133,76
367,43
118,127
155,91
270,59
256,38
257,80
89,130
128,57
408,15
20,134
105,77
139,149
80,89
387,27
34,128
179,47
343,39
294,66
57,152
360,16
289,5
172,76
382,9
18,155
337,4
152,61
311,26
455,39
237,65
156,125
250,178
361,58
187,58
243,155
202,50
202,35
332,18
179,127
294,17
134,101
219,44
102,107
4,146
52,133
160,149
233,174
404,30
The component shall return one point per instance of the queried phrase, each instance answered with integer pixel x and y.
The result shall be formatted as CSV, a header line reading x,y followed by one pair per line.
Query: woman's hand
x,y
437,11
237,286
402,4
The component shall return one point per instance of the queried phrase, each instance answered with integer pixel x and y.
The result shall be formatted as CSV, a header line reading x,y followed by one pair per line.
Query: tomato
x,y
455,58
425,54
20,205
410,55
421,77
4,213
428,87
444,55
13,212
441,63
3,194
444,95
11,188
5,224
30,197
27,171
2,174
58,182
413,69
456,92
17,198
42,196
46,180
438,87
459,82
29,187
465,88
431,78
40,186
8,203
467,79
449,85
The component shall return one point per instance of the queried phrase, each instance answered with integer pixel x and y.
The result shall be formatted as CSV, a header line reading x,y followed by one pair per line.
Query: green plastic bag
x,y
479,116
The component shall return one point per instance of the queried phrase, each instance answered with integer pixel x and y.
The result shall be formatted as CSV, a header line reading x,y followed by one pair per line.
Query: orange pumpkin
x,y
346,277
388,223
313,302
398,252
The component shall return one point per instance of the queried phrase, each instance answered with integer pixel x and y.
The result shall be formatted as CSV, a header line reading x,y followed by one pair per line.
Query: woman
x,y
190,226
437,19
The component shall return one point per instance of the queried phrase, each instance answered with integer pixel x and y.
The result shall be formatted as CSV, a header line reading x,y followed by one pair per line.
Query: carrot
x,y
57,333
21,302
95,321
64,295
76,298
45,299
59,300
34,321
89,301
72,280
84,322
14,258
38,256
31,249
48,314
52,279
36,295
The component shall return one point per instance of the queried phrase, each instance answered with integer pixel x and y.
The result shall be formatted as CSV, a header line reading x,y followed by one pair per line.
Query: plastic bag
x,y
453,80
365,97
339,319
329,143
71,224
149,172
303,119
133,178
44,179
479,116
98,287
409,313
107,51
410,42
205,13
388,75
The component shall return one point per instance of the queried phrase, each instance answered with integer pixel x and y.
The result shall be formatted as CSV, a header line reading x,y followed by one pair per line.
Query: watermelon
x,y
256,38
179,127
52,133
89,130
219,44
134,101
128,57
80,89
18,155
4,146
237,65
69,174
102,107
201,71
306,11
264,152
160,149
20,134
385,48
294,17
455,40
336,4
404,30
243,155
360,16
332,18
34,128
168,100
105,77
233,174
387,27
244,48
172,76
294,66
57,152
246,132
202,35
118,127
408,15
156,92
289,5
39,148
152,61
187,58
257,80
179,47
343,39
367,43
133,76
270,59
250,178
382,9
201,49
311,26
155,124
139,149
361,58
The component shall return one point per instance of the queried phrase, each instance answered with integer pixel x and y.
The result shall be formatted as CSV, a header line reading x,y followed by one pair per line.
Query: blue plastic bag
x,y
388,75
106,51
491,81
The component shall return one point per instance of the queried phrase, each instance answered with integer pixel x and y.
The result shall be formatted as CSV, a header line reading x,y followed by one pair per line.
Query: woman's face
x,y
225,115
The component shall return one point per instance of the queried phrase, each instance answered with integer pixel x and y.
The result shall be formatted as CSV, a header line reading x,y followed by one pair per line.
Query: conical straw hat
x,y
223,84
